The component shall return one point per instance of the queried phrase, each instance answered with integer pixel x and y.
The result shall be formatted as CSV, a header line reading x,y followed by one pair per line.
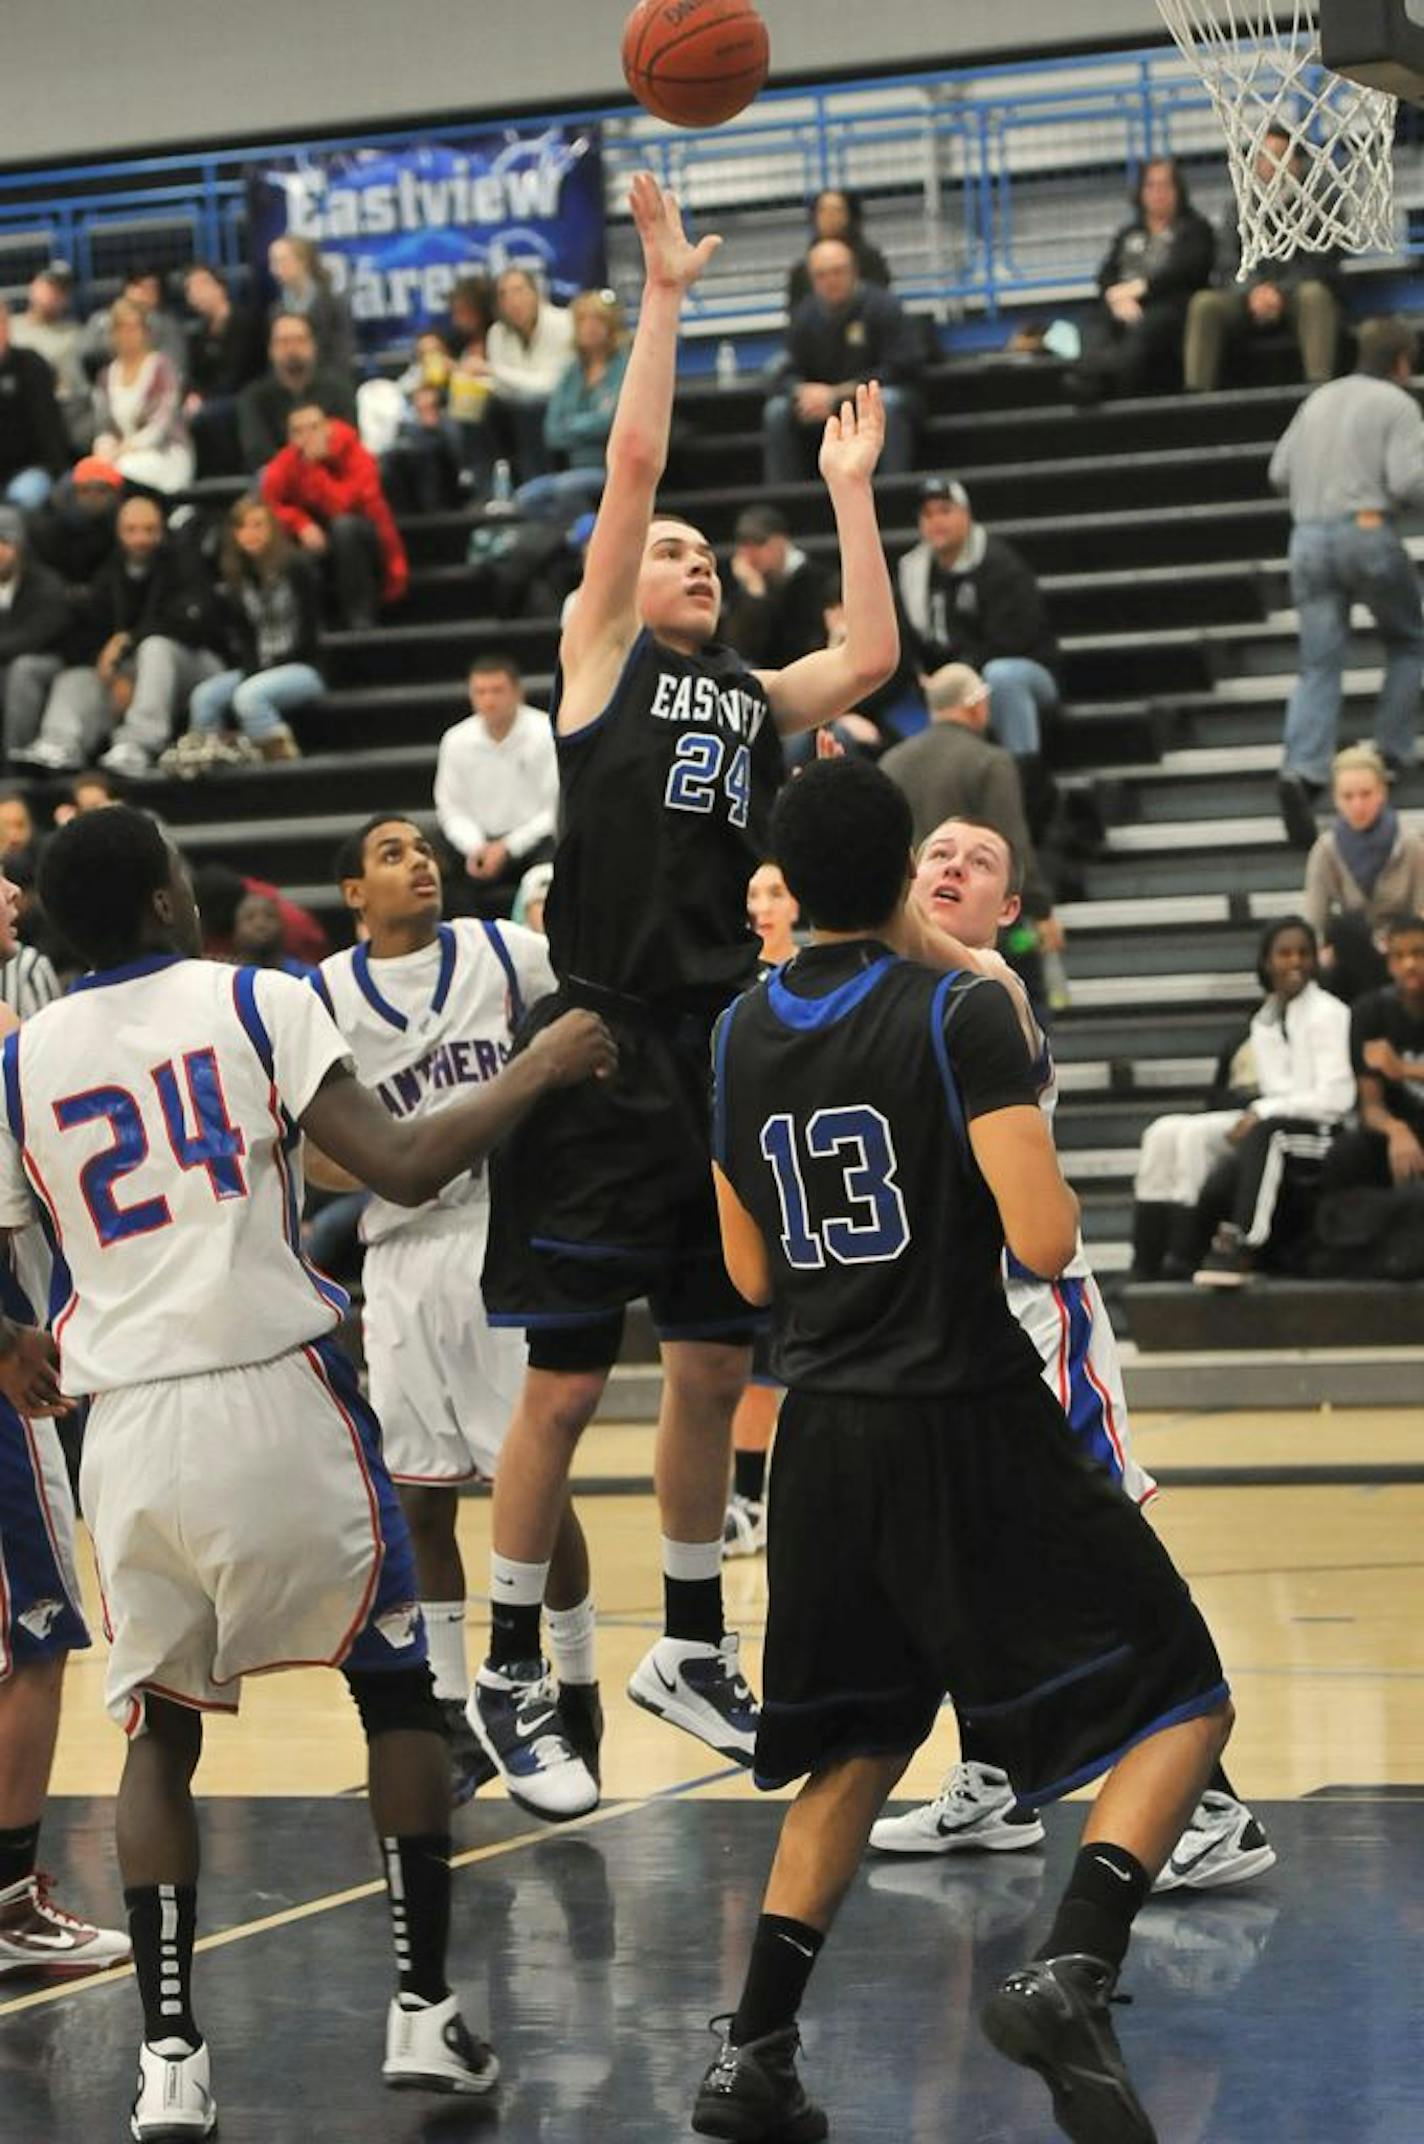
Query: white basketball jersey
x,y
149,1116
426,1027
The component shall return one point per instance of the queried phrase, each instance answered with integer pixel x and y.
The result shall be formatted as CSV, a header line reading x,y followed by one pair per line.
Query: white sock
x,y
445,1635
572,1633
691,1560
516,1585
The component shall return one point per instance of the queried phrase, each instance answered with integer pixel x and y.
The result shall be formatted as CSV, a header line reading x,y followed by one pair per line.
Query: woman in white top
x,y
1365,869
1295,1067
528,349
138,408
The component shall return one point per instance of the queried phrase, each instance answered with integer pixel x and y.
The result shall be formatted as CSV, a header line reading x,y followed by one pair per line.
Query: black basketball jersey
x,y
844,1089
664,806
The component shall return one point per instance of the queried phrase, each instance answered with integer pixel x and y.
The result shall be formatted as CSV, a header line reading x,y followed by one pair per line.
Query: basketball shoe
x,y
700,1688
581,1710
744,1528
430,2048
37,1936
976,1807
1053,2016
470,1768
174,2097
753,2095
516,1720
1222,1844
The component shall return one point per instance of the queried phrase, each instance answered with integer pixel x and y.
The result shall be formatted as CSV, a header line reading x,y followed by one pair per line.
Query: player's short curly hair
x,y
841,833
97,878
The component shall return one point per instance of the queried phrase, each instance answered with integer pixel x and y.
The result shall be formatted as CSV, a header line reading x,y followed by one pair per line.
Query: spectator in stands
x,y
34,446
220,892
269,603
304,287
293,376
423,469
137,648
952,771
1365,869
1302,293
138,408
836,213
224,354
48,327
325,489
496,790
468,390
1351,459
17,823
847,331
967,596
1155,264
259,937
528,349
34,619
580,412
1293,1079
777,611
533,897
145,288
1387,1052
75,533
90,791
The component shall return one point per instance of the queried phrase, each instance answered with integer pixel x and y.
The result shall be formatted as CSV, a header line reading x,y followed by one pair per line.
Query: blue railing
x,y
988,187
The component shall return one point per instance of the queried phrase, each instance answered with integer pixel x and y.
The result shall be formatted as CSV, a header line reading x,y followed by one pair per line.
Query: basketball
x,y
695,63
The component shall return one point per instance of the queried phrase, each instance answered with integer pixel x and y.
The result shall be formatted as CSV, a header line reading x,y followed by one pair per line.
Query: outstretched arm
x,y
834,680
603,620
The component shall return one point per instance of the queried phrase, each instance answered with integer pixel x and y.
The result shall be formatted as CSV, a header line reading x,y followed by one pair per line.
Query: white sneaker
x,y
1222,1844
744,1528
974,1808
126,759
37,1936
700,1688
43,752
516,1720
431,2049
174,2094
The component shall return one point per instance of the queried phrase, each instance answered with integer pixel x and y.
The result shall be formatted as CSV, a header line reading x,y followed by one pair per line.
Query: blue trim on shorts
x,y
941,1056
1046,1689
553,1320
753,1323
402,1643
809,1014
1193,1709
598,1253
506,960
43,1619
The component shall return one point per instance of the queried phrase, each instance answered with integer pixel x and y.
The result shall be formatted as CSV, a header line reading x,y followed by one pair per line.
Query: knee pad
x,y
577,1347
401,1702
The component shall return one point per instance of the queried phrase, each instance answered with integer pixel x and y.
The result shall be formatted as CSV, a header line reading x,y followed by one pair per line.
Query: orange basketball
x,y
695,62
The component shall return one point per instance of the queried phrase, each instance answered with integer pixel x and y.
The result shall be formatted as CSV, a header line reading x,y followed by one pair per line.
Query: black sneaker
x,y
752,2094
470,1768
1052,2016
1297,799
1228,1264
582,1714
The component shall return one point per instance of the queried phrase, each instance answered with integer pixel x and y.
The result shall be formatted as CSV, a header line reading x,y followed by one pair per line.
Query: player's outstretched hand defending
x,y
669,256
29,1364
575,1047
854,436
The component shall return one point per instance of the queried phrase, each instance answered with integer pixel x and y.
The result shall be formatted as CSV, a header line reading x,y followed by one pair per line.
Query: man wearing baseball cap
x,y
969,597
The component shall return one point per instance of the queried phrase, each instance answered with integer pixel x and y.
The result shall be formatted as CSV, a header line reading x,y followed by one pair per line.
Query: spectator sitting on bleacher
x,y
1387,1051
49,329
259,938
776,611
952,771
293,376
422,469
1155,263
138,407
1289,1075
967,596
89,791
34,445
468,390
137,647
224,354
325,489
220,892
496,791
144,288
527,349
1302,293
1365,869
17,824
305,288
76,531
836,213
580,412
847,331
269,605
34,618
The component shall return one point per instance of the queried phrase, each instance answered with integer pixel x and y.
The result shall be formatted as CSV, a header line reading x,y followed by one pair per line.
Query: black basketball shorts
x,y
964,1544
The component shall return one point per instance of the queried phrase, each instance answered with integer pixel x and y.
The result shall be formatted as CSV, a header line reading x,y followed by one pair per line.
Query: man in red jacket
x,y
325,489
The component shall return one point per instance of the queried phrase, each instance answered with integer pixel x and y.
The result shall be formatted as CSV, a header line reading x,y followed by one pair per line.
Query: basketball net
x,y
1334,187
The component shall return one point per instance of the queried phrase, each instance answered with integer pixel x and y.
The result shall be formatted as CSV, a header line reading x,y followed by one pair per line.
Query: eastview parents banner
x,y
399,224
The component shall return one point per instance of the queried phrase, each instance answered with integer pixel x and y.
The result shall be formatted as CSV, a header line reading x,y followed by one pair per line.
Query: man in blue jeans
x,y
1351,460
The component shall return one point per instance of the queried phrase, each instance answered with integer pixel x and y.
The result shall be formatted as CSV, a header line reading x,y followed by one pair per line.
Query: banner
x,y
400,224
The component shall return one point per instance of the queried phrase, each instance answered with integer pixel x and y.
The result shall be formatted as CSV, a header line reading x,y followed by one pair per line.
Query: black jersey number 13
x,y
872,1228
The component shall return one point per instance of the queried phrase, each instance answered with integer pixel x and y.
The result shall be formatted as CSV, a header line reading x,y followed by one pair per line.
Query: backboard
x,y
1380,42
